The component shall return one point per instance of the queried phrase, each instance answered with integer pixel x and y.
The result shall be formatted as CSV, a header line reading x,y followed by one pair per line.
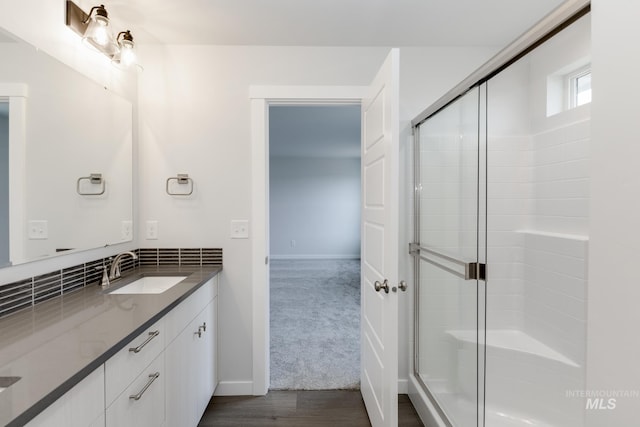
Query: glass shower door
x,y
446,252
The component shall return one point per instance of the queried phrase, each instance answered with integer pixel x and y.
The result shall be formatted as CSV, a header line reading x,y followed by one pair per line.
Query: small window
x,y
579,87
569,87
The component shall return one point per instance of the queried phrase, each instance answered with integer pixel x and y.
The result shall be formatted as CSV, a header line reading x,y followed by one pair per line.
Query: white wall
x,y
315,202
613,350
195,118
4,186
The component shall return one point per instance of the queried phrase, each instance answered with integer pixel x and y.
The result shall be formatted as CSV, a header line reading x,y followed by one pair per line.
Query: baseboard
x,y
313,257
234,388
403,386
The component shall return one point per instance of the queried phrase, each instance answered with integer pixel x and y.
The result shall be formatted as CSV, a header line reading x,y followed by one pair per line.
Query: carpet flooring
x,y
315,324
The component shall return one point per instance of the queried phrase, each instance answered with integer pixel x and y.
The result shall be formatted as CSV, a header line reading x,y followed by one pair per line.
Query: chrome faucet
x,y
114,272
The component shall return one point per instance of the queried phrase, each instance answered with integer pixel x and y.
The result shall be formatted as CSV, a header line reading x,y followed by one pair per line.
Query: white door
x,y
379,318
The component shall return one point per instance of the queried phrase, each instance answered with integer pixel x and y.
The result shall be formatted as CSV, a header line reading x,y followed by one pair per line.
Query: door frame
x,y
261,97
16,94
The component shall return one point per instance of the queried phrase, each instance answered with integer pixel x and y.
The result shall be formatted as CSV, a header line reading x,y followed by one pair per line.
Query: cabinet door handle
x,y
152,378
152,335
202,328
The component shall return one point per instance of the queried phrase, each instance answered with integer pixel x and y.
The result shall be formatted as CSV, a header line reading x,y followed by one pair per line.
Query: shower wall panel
x,y
537,234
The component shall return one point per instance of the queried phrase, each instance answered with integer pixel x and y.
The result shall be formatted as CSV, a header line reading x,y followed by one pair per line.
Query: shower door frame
x,y
474,270
556,21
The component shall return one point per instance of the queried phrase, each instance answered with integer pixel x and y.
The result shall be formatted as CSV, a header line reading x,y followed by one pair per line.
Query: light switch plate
x,y
126,230
152,230
38,230
239,229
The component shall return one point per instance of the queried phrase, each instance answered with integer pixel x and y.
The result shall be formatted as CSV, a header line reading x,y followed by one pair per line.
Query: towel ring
x,y
94,179
182,179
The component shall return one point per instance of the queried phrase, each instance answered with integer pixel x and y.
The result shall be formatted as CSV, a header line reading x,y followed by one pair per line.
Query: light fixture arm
x,y
124,35
100,11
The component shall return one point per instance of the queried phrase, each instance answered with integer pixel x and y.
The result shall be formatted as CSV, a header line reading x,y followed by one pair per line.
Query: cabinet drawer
x,y
148,409
131,360
185,312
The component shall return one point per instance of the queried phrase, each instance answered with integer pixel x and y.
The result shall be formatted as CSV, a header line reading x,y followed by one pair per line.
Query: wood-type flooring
x,y
331,408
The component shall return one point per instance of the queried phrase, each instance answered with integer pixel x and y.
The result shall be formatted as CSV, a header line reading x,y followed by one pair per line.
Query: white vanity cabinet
x,y
82,406
134,381
164,377
190,359
141,404
206,375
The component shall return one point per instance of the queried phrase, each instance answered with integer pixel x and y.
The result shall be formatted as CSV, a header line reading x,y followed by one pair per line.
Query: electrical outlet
x,y
38,230
239,229
126,230
152,230
293,243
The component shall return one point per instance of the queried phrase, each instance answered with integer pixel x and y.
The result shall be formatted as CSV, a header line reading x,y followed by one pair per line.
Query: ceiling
x,y
314,131
328,22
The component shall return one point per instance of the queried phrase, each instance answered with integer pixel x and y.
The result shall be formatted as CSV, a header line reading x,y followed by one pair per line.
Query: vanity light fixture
x,y
96,32
126,56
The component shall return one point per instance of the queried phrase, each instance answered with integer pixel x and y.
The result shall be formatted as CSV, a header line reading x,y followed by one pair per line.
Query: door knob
x,y
402,286
384,285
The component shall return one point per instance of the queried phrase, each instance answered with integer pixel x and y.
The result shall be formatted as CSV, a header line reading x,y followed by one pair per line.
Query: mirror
x,y
63,130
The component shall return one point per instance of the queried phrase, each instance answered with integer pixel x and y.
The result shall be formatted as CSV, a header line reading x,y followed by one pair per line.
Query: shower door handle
x,y
472,270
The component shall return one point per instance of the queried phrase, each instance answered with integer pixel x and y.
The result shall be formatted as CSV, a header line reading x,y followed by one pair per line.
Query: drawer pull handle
x,y
152,335
152,378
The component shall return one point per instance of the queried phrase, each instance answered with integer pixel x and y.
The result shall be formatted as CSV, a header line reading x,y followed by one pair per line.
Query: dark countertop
x,y
55,344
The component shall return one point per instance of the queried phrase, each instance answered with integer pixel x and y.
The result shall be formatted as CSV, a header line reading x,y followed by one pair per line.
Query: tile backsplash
x,y
26,293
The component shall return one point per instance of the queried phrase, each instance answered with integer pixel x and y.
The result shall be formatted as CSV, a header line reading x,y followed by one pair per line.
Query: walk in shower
x,y
501,237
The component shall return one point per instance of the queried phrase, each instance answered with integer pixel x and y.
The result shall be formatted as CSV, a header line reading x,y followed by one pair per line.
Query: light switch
x,y
239,229
38,230
152,230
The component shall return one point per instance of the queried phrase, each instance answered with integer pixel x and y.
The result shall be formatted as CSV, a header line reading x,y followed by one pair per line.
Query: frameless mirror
x,y
65,158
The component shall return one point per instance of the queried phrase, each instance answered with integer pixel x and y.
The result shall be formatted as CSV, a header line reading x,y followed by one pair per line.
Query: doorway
x,y
314,228
380,205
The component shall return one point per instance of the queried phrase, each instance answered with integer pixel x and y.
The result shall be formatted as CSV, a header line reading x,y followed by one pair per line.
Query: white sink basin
x,y
150,285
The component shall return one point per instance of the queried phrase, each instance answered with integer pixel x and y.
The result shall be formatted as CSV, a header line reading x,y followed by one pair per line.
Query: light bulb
x,y
101,32
127,54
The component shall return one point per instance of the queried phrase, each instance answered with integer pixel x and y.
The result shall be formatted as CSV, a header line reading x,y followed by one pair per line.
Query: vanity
x,y
72,353
110,358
